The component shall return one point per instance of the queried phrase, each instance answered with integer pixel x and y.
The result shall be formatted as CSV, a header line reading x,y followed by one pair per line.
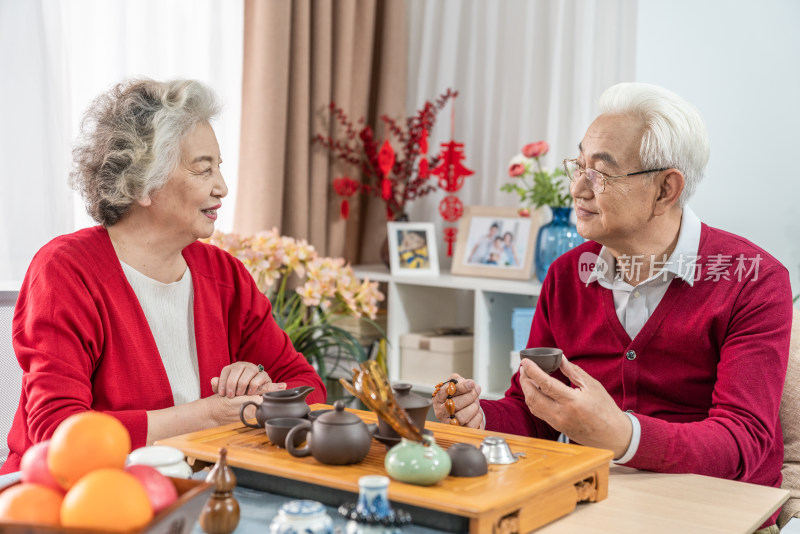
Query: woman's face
x,y
187,204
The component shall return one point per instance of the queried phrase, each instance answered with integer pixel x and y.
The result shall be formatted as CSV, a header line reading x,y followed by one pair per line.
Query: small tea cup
x,y
467,460
278,429
547,358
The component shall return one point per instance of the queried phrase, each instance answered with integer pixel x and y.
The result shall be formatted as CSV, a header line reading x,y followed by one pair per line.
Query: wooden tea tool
x,y
220,515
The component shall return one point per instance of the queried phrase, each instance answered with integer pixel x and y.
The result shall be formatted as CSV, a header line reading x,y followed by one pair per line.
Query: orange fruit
x,y
86,441
31,503
106,499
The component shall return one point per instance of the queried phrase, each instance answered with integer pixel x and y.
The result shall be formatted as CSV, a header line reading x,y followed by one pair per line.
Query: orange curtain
x,y
300,55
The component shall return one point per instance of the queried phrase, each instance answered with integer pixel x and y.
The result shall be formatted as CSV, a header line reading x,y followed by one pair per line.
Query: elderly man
x,y
675,334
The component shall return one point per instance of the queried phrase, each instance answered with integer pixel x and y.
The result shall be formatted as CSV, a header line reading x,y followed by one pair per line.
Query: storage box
x,y
428,358
521,320
361,328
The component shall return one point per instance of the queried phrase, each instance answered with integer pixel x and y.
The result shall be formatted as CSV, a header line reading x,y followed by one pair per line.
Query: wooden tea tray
x,y
542,486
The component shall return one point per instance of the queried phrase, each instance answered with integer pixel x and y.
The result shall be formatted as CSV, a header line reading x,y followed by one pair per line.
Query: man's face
x,y
616,217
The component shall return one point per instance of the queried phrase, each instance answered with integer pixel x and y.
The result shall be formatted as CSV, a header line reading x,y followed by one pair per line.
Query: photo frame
x,y
412,249
496,242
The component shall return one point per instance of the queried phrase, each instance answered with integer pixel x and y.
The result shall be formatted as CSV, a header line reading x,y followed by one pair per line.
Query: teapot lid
x,y
338,416
408,400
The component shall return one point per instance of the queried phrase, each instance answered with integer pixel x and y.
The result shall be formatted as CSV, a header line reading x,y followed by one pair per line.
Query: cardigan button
x,y
631,355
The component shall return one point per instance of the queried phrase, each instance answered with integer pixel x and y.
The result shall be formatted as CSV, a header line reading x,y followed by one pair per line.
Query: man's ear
x,y
670,187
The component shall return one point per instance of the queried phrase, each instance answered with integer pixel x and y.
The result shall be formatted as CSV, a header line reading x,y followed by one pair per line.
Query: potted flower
x,y
537,187
309,293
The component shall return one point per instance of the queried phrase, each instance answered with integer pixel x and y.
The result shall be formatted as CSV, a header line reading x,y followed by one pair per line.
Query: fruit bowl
x,y
178,518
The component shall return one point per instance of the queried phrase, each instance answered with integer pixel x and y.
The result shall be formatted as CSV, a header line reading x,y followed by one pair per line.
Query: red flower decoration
x,y
516,170
402,163
534,150
424,171
386,158
345,186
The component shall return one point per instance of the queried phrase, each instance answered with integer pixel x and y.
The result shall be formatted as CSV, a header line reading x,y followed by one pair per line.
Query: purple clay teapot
x,y
284,403
336,438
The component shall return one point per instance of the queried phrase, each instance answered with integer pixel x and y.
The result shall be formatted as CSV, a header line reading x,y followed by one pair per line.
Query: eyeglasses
x,y
596,179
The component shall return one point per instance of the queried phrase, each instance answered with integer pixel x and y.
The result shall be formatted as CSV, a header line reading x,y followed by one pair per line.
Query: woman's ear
x,y
670,187
145,201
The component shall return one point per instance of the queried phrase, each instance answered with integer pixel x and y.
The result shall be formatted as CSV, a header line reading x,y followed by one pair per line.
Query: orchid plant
x,y
324,290
535,185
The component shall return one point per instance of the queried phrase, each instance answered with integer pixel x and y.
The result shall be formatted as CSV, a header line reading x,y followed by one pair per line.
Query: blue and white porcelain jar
x,y
373,514
302,517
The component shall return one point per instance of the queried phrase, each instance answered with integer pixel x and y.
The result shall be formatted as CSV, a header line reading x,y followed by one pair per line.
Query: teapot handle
x,y
241,414
305,426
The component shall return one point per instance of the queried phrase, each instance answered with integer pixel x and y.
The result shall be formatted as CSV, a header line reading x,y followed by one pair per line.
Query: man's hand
x,y
586,413
468,408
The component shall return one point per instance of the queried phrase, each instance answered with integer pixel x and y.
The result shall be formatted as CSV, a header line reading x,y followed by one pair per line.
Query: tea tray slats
x,y
542,486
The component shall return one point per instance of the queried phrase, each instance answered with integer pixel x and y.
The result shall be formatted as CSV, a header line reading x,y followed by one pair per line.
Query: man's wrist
x,y
633,446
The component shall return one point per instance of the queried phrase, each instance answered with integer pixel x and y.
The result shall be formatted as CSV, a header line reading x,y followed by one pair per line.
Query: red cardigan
x,y
83,342
708,373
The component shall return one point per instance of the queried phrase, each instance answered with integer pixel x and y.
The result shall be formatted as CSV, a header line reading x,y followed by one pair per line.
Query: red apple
x,y
33,467
159,488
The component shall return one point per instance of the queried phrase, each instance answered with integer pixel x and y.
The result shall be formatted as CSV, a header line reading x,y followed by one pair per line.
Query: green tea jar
x,y
423,464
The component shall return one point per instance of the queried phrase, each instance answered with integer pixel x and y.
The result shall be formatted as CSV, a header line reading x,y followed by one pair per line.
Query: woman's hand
x,y
586,413
468,408
243,378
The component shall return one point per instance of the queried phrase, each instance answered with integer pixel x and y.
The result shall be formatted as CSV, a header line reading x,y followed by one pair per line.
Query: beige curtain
x,y
300,55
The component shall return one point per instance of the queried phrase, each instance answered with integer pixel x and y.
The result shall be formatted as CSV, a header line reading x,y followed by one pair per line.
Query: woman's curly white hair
x,y
130,141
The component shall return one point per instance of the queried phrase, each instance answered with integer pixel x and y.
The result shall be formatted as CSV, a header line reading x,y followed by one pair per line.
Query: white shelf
x,y
417,304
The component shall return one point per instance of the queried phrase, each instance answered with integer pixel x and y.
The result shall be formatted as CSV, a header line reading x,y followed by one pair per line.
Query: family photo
x,y
497,242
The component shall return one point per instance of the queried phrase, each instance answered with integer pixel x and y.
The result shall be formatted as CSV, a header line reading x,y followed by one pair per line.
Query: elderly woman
x,y
136,317
676,334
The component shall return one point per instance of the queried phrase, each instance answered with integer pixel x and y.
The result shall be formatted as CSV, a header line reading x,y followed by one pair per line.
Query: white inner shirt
x,y
168,309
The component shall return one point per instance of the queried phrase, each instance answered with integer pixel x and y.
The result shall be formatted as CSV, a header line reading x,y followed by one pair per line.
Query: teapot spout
x,y
301,392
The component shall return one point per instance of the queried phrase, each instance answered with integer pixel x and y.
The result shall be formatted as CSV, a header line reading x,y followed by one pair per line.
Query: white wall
x,y
738,61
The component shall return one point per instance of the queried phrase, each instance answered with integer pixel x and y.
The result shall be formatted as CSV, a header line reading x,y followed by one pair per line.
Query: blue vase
x,y
554,239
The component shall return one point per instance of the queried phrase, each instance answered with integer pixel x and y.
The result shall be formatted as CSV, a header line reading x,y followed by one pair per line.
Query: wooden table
x,y
656,503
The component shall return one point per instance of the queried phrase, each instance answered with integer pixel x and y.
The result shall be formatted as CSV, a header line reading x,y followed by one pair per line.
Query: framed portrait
x,y
412,249
496,242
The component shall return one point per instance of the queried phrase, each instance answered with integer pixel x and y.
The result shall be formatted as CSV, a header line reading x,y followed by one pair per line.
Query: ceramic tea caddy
x,y
423,464
284,403
336,438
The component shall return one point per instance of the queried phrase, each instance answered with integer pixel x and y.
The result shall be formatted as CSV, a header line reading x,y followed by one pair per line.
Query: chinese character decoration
x,y
397,169
451,172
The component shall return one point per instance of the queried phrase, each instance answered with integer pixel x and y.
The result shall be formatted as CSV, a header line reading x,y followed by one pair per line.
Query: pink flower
x,y
534,150
516,169
524,212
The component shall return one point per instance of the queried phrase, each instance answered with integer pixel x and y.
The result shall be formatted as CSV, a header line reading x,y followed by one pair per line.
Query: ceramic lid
x,y
338,416
408,400
155,455
302,508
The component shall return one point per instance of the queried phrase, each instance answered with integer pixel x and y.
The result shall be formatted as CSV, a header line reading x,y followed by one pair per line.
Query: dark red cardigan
x,y
710,362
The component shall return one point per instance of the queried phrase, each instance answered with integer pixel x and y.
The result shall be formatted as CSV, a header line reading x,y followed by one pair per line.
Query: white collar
x,y
681,263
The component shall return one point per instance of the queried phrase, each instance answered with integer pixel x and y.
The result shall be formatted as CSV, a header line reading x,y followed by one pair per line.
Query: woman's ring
x,y
260,367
